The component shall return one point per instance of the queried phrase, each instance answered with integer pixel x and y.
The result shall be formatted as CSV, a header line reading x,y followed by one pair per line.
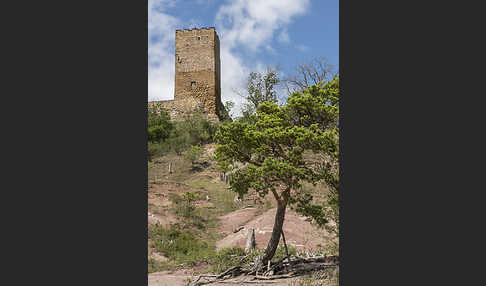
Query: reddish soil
x,y
158,208
159,204
169,278
233,220
154,255
298,232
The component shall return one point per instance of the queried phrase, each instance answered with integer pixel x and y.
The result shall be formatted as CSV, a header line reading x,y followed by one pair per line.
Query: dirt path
x,y
168,278
179,278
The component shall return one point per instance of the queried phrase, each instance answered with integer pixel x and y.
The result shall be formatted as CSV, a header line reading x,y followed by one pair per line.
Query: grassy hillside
x,y
188,240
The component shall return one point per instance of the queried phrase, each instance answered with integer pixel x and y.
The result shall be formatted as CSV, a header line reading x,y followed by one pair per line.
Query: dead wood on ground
x,y
292,267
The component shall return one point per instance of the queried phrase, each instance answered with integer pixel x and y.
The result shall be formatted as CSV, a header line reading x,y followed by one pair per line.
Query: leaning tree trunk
x,y
275,238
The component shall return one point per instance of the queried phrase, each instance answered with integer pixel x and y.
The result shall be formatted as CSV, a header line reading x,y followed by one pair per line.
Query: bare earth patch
x,y
298,232
159,203
179,278
152,253
235,219
169,278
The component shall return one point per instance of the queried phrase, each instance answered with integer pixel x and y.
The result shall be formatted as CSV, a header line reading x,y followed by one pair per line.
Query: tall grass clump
x,y
180,246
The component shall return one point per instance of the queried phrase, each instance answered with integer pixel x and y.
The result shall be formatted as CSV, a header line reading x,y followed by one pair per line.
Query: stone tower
x,y
197,75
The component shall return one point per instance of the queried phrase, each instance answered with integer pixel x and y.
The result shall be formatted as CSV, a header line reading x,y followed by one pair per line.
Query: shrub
x,y
166,136
159,124
179,246
193,130
193,154
184,205
156,149
226,258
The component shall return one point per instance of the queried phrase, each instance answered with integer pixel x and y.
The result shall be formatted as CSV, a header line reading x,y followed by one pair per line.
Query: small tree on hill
x,y
159,128
228,106
159,125
260,88
193,154
274,147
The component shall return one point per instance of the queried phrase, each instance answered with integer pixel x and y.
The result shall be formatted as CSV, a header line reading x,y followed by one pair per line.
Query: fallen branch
x,y
273,277
275,266
278,270
201,276
251,282
228,271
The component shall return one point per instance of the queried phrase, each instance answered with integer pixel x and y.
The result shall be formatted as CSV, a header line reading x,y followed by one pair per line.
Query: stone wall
x,y
177,108
197,75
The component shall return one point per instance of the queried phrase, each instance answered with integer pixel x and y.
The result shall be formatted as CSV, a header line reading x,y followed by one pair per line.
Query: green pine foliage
x,y
270,152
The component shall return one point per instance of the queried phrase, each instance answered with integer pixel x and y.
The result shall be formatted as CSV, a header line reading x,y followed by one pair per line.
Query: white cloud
x,y
204,2
250,25
302,48
161,31
233,77
243,26
284,37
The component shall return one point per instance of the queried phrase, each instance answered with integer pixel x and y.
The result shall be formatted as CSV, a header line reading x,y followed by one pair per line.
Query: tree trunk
x,y
250,241
276,233
285,244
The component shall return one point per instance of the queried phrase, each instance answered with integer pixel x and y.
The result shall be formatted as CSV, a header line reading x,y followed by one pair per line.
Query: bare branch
x,y
309,73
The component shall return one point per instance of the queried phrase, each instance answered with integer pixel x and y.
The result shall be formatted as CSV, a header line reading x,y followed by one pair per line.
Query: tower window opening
x,y
198,38
193,83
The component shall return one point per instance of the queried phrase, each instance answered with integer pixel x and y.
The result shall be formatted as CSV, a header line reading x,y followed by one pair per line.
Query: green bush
x,y
193,154
180,246
156,149
165,136
226,258
193,130
184,205
159,124
159,128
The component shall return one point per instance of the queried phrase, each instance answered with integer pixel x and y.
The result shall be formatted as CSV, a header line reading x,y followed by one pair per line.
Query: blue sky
x,y
253,34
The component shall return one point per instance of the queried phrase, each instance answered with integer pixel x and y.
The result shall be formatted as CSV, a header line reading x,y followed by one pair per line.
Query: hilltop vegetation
x,y
281,155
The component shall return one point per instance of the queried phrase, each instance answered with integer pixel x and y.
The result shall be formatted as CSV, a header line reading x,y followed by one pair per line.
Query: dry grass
x,y
326,277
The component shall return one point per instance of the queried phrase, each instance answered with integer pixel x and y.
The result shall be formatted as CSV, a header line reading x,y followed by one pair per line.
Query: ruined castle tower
x,y
197,74
197,67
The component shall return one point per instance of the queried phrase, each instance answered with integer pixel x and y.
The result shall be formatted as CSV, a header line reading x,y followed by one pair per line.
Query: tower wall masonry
x,y
197,75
